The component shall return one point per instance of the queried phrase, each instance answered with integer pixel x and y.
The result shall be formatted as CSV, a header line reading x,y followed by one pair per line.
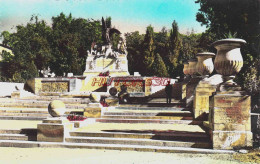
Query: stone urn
x,y
185,68
192,67
205,64
228,61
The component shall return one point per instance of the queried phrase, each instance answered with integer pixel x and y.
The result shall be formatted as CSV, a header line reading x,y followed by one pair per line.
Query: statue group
x,y
106,50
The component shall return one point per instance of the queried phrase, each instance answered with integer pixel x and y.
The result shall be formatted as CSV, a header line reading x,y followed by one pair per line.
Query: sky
x,y
127,15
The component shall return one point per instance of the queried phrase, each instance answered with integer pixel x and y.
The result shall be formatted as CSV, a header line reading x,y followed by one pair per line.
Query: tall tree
x,y
175,45
148,51
159,68
134,48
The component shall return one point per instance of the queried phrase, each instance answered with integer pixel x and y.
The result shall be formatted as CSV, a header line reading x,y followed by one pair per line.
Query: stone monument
x,y
106,59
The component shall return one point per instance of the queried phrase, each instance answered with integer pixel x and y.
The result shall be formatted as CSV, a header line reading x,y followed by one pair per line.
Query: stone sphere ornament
x,y
205,64
94,97
113,91
192,66
56,108
228,60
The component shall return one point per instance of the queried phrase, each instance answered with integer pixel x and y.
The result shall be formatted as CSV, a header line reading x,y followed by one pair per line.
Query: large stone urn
x,y
205,65
192,67
228,60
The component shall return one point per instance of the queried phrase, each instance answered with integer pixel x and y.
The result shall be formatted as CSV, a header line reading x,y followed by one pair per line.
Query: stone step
x,y
40,105
147,117
138,107
134,141
26,114
22,137
172,105
65,100
130,113
8,131
21,118
160,135
31,144
23,110
156,121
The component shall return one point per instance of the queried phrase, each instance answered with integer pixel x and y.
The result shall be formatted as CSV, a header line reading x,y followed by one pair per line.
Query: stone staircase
x,y
18,135
150,126
36,107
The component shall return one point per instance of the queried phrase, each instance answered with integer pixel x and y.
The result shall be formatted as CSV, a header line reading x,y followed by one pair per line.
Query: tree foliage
x,y
37,46
240,18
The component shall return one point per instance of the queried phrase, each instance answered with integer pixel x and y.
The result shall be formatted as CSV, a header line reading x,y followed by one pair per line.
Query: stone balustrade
x,y
218,97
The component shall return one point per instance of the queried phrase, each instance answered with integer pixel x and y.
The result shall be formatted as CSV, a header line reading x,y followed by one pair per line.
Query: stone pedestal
x,y
183,88
256,128
190,88
54,129
116,66
205,88
112,101
16,94
93,111
230,121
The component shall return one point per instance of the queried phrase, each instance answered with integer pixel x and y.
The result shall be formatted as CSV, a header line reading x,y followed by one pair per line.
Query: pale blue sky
x,y
127,15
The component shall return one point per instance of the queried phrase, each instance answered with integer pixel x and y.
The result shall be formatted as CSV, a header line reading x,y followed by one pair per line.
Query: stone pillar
x,y
54,129
193,82
205,87
229,118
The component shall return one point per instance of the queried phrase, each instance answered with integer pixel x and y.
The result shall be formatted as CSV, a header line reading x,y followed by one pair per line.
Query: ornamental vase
x,y
192,66
228,60
205,64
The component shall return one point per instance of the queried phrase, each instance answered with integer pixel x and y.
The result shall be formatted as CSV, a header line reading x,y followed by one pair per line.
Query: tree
x,y
159,68
235,17
133,43
175,45
148,51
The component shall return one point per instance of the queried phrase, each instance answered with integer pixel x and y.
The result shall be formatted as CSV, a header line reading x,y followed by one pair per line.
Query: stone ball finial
x,y
205,64
56,108
113,91
94,97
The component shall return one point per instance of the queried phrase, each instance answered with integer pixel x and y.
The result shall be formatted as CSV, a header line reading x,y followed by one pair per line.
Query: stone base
x,y
231,139
54,129
230,120
93,111
205,88
115,73
16,94
190,88
112,101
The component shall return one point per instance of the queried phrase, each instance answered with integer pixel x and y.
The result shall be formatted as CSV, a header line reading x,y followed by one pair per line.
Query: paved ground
x,y
82,156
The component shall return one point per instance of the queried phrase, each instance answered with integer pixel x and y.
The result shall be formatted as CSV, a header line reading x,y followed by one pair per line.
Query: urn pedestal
x,y
229,118
205,87
193,82
185,81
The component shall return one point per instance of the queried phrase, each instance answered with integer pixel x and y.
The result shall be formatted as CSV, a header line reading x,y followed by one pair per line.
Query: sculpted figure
x,y
107,32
